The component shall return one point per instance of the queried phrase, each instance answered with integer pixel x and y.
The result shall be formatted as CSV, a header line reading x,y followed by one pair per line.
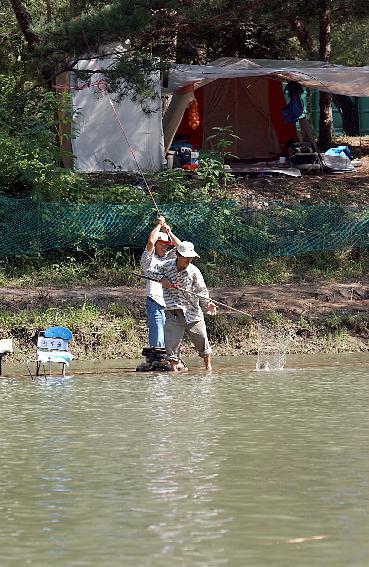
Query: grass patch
x,y
114,333
58,269
116,267
97,333
219,270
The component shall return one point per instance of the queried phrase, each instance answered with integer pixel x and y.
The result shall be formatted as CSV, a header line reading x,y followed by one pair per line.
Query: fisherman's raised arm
x,y
176,241
153,236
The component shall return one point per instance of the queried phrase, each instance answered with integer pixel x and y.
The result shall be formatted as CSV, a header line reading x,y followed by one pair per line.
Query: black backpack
x,y
182,156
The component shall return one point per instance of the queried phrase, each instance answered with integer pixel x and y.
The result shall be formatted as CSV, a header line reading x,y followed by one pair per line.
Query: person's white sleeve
x,y
156,270
146,261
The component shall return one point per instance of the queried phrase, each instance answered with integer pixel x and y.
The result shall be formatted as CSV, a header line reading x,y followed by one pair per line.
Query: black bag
x,y
182,156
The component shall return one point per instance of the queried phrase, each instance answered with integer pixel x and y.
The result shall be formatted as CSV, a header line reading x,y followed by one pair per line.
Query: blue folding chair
x,y
53,346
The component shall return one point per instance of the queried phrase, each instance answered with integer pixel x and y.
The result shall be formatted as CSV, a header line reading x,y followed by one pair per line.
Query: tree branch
x,y
24,20
305,39
325,32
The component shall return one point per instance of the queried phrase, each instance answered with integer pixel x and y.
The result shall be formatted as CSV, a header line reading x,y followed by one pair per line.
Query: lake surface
x,y
238,468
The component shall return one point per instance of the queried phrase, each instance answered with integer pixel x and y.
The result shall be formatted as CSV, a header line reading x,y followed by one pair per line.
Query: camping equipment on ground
x,y
156,359
182,156
339,150
337,162
257,92
304,156
6,347
99,144
53,347
248,95
252,107
170,159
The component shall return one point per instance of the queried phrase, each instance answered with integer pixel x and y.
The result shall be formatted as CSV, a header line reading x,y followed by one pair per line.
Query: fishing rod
x,y
208,299
26,362
133,153
102,87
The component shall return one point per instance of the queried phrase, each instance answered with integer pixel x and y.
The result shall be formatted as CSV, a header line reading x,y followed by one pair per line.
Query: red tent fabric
x,y
251,106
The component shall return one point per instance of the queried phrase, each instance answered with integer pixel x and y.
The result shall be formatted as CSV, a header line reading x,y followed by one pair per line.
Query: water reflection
x,y
183,466
54,381
234,468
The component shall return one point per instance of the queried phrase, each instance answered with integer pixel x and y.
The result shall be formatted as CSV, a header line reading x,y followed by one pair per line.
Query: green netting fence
x,y
242,232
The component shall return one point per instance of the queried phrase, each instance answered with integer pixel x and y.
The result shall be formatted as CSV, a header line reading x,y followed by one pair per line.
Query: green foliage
x,y
222,140
358,324
81,191
171,186
160,32
93,267
28,146
219,269
174,186
212,167
220,328
350,42
98,332
211,170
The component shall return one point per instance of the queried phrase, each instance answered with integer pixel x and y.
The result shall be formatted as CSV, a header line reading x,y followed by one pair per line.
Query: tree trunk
x,y
24,20
325,99
72,8
325,120
305,39
323,53
48,11
349,113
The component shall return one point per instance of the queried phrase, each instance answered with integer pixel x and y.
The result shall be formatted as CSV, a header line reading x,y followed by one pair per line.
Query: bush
x,y
29,149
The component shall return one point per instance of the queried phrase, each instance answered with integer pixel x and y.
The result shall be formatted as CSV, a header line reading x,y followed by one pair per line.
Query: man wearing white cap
x,y
184,311
158,249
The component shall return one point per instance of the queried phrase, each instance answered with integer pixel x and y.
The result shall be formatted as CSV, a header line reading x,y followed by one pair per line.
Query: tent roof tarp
x,y
352,81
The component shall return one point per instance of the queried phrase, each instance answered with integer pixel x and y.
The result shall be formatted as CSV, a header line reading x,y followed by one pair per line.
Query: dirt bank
x,y
321,316
290,299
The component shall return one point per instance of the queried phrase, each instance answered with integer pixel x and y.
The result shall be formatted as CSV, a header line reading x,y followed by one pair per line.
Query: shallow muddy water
x,y
108,467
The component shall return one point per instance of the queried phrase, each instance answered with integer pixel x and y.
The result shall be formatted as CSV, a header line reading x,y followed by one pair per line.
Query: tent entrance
x,y
252,107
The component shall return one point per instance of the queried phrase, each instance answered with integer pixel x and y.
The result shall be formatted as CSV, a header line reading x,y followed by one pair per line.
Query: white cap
x,y
187,250
163,237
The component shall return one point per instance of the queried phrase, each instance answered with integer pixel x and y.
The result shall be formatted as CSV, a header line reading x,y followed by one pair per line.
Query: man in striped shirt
x,y
157,250
184,311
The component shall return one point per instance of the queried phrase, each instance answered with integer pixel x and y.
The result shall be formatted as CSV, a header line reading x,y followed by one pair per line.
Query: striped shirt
x,y
148,263
191,279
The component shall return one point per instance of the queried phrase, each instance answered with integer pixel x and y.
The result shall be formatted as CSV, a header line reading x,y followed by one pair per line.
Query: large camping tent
x,y
112,135
244,94
247,95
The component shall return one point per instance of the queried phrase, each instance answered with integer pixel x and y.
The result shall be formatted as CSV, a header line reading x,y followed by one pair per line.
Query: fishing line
x,y
208,299
102,86
133,154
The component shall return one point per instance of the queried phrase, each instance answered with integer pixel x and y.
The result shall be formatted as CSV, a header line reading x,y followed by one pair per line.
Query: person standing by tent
x,y
184,312
157,250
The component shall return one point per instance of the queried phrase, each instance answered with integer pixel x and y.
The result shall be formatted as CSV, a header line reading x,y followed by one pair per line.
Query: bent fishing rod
x,y
208,299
